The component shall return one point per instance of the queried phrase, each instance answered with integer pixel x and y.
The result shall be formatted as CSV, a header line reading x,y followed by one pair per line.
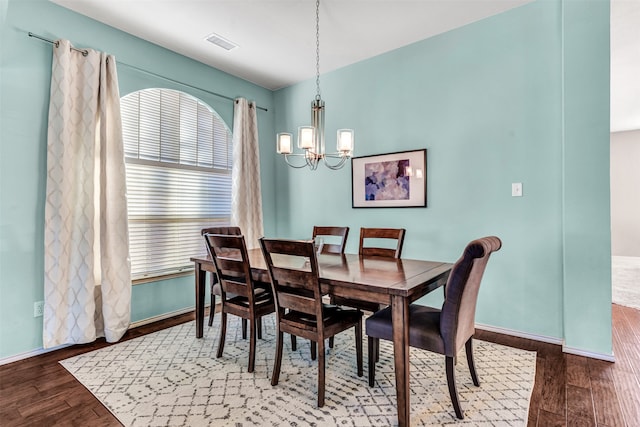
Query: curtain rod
x,y
84,53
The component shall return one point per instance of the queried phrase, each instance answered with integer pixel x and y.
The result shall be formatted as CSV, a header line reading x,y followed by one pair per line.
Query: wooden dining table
x,y
388,281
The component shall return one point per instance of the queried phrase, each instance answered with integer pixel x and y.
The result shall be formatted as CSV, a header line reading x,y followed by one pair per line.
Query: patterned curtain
x,y
246,199
87,277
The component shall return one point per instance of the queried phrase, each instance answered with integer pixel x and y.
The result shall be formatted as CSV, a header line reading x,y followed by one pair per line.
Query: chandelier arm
x,y
313,162
336,166
304,165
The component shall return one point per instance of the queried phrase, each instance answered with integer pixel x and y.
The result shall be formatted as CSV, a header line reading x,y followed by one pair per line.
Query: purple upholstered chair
x,y
447,330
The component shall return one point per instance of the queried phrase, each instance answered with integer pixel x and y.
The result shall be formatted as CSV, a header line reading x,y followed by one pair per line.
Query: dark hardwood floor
x,y
569,390
579,391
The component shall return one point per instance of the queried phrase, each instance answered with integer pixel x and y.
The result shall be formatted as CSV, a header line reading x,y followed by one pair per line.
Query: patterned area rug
x,y
170,378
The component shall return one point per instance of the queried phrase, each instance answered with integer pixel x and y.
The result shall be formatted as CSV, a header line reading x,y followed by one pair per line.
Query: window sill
x,y
159,277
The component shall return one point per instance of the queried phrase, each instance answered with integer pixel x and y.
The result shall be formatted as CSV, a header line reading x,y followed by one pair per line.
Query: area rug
x,y
625,279
170,378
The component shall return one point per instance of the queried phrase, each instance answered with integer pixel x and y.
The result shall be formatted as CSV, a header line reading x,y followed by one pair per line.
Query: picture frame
x,y
392,180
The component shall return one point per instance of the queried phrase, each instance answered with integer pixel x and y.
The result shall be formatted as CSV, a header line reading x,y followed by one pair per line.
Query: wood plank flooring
x,y
569,390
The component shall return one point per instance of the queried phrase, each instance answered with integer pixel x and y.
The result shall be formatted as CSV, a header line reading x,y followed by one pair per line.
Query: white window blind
x,y
178,163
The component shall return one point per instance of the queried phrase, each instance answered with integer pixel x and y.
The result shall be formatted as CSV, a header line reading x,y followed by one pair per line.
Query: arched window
x,y
178,162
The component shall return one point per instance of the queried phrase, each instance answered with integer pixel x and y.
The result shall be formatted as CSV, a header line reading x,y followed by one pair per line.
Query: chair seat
x,y
261,296
424,327
260,287
216,289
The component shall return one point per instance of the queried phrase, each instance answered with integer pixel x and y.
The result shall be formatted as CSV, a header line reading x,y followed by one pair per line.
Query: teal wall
x,y
586,150
520,97
25,64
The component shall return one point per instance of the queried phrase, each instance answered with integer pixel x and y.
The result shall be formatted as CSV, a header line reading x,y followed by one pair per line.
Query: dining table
x,y
388,281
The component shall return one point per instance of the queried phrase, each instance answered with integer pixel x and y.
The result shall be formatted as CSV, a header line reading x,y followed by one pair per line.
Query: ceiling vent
x,y
221,41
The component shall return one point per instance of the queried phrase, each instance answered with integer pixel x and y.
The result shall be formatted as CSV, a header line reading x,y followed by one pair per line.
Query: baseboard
x,y
519,334
590,354
39,351
161,317
31,353
550,340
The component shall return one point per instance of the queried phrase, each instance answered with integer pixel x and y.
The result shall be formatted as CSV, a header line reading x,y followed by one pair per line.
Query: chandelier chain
x,y
318,49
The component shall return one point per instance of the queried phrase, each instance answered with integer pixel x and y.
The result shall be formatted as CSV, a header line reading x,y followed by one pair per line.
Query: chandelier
x,y
311,138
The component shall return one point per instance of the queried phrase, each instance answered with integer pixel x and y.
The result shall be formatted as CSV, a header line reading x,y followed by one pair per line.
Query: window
x,y
178,157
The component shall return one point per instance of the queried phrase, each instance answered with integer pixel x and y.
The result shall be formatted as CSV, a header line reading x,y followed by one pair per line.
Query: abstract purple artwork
x,y
387,180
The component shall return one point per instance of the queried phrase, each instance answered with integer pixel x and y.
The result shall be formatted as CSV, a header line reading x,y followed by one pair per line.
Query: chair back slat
x,y
229,266
328,247
297,302
296,279
457,322
396,234
235,231
236,287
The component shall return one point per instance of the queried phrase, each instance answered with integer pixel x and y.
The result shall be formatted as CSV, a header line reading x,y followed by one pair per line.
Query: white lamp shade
x,y
306,137
345,140
284,144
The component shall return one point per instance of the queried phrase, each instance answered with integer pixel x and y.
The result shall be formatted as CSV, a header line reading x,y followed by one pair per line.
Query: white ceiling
x,y
276,38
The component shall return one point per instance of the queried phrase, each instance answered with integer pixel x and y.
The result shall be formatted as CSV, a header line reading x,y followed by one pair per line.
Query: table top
x,y
372,275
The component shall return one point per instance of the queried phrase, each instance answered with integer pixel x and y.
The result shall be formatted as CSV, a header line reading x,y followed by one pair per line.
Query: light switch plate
x,y
516,189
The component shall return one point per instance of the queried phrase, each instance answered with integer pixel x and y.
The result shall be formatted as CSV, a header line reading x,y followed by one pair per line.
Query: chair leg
x,y
472,367
372,344
244,329
223,333
252,344
212,310
312,344
332,301
294,345
451,381
321,372
277,362
259,326
359,346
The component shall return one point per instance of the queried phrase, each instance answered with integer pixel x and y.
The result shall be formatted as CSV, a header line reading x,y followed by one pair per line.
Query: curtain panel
x,y
87,278
246,197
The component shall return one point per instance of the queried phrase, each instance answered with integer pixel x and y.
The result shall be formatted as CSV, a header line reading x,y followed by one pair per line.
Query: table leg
x,y
201,277
400,319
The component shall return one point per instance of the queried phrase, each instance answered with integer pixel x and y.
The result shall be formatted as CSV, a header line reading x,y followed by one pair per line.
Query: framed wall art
x,y
393,180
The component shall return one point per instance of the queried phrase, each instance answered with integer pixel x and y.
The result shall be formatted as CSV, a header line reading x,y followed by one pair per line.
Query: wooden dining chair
x,y
215,286
389,234
448,329
299,307
332,248
238,292
328,248
396,234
